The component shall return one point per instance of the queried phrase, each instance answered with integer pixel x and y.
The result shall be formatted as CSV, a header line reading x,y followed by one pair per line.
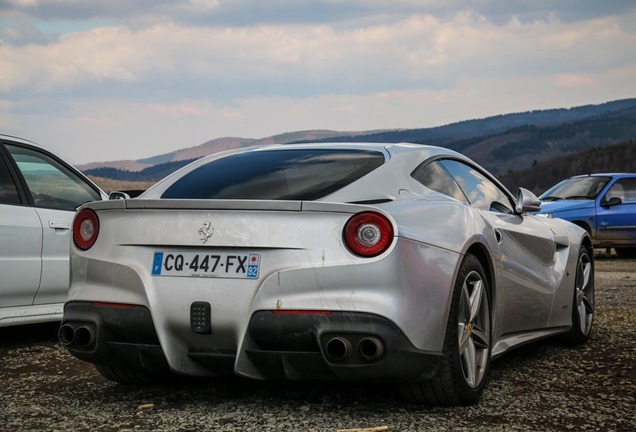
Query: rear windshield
x,y
304,174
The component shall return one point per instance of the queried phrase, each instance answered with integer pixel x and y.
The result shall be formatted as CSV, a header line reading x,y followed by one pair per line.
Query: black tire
x,y
461,377
129,376
626,252
583,302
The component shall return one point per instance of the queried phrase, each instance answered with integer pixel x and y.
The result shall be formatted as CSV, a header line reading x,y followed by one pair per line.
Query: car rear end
x,y
263,289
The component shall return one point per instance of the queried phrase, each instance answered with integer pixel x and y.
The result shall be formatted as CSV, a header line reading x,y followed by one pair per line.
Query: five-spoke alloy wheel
x,y
583,303
462,373
474,329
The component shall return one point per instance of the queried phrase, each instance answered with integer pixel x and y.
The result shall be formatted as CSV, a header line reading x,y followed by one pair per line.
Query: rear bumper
x,y
346,346
122,337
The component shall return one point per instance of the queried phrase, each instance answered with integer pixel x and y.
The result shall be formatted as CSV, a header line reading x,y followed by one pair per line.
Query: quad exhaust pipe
x,y
371,349
340,349
82,336
66,334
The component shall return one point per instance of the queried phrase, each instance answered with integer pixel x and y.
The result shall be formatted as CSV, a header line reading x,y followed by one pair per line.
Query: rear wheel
x,y
129,376
583,303
462,374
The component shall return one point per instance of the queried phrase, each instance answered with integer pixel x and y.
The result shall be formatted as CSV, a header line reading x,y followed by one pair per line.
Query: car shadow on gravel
x,y
31,334
181,391
374,398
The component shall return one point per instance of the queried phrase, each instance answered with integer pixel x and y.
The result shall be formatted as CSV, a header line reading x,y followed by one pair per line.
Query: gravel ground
x,y
539,387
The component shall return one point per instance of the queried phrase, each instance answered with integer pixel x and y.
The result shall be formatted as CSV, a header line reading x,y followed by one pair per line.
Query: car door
x,y
616,222
20,242
526,251
54,190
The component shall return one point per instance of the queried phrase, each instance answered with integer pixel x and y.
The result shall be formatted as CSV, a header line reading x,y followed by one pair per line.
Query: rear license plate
x,y
220,265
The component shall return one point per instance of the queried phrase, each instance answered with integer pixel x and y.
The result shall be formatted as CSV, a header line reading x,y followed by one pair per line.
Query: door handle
x,y
59,225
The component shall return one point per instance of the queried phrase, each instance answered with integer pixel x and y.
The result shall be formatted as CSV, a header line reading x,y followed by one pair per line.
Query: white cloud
x,y
166,85
420,51
23,3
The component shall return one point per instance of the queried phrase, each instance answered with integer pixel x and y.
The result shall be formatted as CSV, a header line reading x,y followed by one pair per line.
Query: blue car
x,y
603,204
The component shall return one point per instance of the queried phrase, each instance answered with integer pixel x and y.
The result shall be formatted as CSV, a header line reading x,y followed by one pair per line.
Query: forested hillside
x,y
545,135
543,175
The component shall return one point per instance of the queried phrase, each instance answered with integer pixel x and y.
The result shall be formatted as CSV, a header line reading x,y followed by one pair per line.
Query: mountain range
x,y
502,144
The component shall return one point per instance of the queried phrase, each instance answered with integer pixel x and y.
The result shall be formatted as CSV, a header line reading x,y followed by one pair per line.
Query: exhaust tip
x,y
66,334
338,348
371,349
84,337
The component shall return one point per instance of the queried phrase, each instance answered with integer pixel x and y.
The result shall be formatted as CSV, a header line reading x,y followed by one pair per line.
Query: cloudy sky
x,y
119,79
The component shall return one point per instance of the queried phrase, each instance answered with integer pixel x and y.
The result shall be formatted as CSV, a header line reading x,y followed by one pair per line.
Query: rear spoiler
x,y
244,205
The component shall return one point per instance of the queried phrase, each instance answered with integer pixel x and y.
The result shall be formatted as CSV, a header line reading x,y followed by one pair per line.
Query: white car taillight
x,y
85,229
368,234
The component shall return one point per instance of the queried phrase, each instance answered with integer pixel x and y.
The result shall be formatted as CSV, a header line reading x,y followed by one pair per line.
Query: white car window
x,y
8,191
52,185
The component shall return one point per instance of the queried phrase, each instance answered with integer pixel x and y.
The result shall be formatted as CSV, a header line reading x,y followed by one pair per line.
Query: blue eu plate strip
x,y
157,262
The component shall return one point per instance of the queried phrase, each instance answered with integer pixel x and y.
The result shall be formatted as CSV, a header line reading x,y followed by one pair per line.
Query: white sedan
x,y
39,194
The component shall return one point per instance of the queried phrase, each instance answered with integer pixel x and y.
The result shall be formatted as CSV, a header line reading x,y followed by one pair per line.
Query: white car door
x,y
20,248
20,244
56,191
56,243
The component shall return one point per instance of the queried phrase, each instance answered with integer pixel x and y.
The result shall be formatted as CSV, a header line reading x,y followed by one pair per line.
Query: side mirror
x,y
612,201
118,196
527,202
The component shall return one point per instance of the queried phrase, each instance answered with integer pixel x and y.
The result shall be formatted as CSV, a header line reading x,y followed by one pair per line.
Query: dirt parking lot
x,y
539,387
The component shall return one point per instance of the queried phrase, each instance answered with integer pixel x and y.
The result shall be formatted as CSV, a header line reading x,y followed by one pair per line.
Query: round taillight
x,y
85,229
368,234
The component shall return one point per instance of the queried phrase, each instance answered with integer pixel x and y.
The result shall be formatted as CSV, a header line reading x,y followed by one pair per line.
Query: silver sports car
x,y
394,263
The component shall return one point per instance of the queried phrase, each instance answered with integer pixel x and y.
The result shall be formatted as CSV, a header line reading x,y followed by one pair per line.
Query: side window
x,y
435,177
8,190
481,192
625,189
52,185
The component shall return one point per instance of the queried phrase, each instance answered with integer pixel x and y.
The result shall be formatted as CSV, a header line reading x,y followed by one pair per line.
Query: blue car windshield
x,y
583,188
299,174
